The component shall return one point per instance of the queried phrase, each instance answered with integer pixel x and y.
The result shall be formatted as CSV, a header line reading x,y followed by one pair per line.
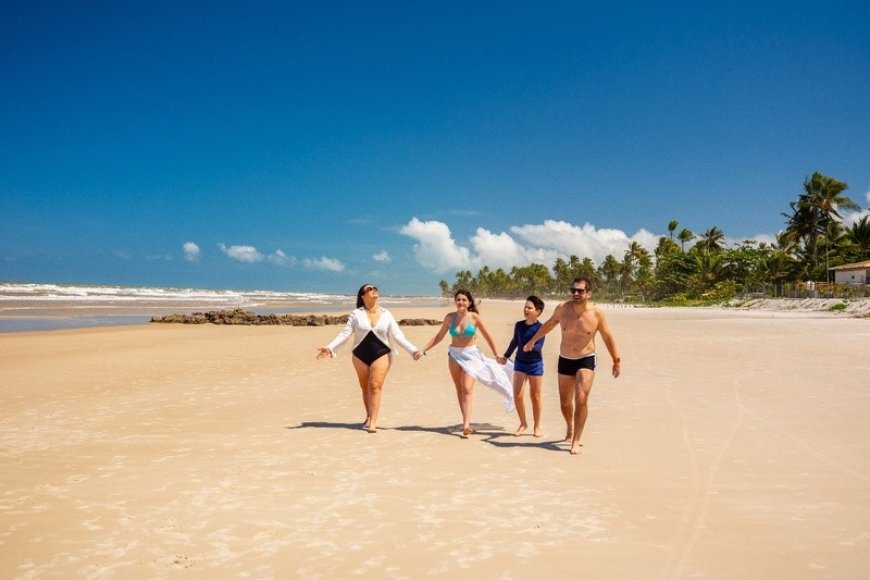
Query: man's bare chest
x,y
579,324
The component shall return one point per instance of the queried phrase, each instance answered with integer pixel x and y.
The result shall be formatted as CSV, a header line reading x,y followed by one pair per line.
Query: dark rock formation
x,y
244,317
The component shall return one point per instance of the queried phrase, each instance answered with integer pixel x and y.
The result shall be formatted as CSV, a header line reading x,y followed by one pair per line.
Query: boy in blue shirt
x,y
529,365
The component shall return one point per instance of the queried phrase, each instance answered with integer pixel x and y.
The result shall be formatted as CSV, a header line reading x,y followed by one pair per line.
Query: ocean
x,y
28,307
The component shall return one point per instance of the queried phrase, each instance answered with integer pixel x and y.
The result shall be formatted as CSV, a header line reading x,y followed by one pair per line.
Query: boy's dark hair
x,y
537,302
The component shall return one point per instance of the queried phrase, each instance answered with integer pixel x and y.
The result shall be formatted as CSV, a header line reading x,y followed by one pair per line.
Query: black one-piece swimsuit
x,y
370,349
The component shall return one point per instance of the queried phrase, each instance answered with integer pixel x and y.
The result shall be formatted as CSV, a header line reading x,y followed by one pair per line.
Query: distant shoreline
x,y
26,307
57,315
36,307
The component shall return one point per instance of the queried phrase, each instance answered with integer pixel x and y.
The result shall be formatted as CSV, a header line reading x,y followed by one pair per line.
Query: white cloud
x,y
435,248
328,264
584,241
383,256
437,251
191,251
247,254
497,250
852,217
279,258
502,251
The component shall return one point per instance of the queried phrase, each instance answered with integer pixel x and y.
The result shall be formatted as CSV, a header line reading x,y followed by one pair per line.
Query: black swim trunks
x,y
370,349
571,366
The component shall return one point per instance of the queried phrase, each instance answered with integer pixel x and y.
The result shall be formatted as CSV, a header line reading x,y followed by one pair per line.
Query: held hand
x,y
323,352
501,360
418,355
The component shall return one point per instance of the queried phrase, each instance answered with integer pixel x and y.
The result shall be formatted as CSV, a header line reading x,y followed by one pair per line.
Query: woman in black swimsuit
x,y
373,329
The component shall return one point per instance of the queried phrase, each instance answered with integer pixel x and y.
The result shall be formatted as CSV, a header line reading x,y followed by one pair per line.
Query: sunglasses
x,y
369,289
577,290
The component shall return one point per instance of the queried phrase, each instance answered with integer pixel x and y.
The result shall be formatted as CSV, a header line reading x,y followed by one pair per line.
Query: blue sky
x,y
311,146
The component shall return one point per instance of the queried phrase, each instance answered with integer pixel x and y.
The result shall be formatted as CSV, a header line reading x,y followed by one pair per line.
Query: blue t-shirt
x,y
522,334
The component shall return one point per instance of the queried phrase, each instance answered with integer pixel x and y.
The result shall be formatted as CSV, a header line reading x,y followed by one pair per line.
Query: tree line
x,y
686,266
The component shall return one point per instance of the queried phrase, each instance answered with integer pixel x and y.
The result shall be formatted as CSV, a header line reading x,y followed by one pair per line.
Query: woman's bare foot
x,y
575,449
371,429
538,432
467,431
520,430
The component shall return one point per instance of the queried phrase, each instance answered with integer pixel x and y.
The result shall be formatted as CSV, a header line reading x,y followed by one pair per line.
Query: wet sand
x,y
735,445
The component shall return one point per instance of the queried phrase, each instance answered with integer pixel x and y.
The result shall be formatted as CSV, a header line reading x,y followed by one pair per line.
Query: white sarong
x,y
487,371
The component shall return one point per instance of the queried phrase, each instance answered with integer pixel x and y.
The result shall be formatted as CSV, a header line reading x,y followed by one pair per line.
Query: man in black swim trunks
x,y
580,321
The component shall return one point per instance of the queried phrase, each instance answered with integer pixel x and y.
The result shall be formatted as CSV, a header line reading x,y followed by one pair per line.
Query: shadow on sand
x,y
325,425
509,440
486,432
450,431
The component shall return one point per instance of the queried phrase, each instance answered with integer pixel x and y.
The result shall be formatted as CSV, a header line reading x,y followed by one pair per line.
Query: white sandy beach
x,y
735,445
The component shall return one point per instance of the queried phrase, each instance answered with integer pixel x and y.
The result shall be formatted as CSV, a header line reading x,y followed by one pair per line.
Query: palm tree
x,y
562,275
776,268
710,267
711,240
685,236
826,193
626,270
589,271
609,271
540,276
464,280
785,243
483,285
672,269
635,257
574,265
445,287
838,246
802,226
666,247
644,278
859,235
672,226
635,250
502,284
531,279
814,212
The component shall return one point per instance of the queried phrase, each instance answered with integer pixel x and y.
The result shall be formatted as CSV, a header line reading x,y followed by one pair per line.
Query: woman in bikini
x,y
465,360
373,329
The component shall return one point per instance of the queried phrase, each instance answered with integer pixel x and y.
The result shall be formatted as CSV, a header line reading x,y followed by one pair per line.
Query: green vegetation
x,y
814,239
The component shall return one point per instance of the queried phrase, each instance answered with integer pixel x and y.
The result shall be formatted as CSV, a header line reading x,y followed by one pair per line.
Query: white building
x,y
852,274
